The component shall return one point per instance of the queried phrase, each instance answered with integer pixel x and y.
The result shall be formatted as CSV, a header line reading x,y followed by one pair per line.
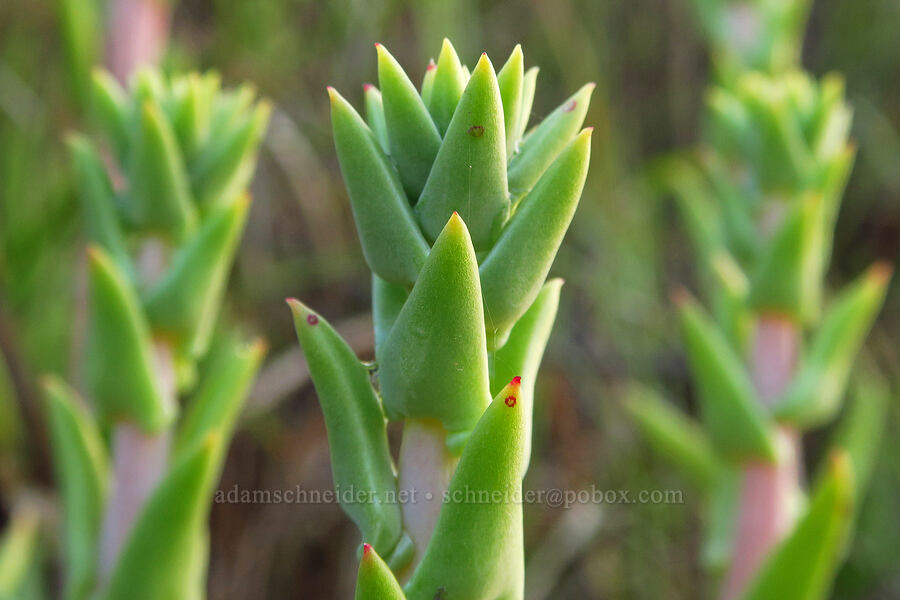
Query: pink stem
x,y
768,491
425,468
138,33
139,461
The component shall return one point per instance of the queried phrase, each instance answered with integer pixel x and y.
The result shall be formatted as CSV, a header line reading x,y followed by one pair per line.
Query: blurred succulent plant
x,y
760,204
763,35
460,213
164,213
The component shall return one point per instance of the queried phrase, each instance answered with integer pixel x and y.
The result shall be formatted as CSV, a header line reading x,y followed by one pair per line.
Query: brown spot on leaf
x,y
571,106
476,131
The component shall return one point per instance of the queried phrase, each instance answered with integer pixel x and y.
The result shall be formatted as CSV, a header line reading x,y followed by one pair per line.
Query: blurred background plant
x,y
626,250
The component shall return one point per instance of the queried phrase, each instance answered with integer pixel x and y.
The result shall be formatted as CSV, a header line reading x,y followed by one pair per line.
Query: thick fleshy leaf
x,y
862,426
734,419
469,173
803,566
218,401
516,267
675,436
193,113
721,519
815,394
82,475
375,581
476,549
428,81
414,138
156,562
447,87
392,242
110,108
375,116
780,282
434,362
185,304
19,553
224,167
541,146
510,79
121,372
521,354
98,202
529,84
159,194
387,301
357,434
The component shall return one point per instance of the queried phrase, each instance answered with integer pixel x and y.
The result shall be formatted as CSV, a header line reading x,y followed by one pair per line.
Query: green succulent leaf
x,y
529,84
469,173
110,108
541,146
217,402
434,362
782,283
446,88
120,364
428,82
193,113
82,472
159,190
721,518
803,566
510,78
861,429
184,305
375,581
392,242
387,301
516,267
521,355
674,435
814,395
476,549
735,420
224,167
357,435
414,138
157,560
375,116
98,201
19,555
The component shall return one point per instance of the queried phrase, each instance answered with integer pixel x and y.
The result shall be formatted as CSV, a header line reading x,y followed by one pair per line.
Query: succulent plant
x,y
760,200
164,211
460,212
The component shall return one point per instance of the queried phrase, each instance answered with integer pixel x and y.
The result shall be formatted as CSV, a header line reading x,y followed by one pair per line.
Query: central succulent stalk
x,y
460,213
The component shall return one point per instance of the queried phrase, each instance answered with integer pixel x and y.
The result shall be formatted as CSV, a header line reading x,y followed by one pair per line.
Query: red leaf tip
x,y
516,380
377,45
367,549
291,299
431,66
367,87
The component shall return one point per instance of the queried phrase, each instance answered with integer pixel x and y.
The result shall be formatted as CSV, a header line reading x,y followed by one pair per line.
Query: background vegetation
x,y
626,250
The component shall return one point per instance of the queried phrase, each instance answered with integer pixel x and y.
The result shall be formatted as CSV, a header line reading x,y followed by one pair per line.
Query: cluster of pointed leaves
x,y
764,35
460,210
760,205
182,153
173,194
164,553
